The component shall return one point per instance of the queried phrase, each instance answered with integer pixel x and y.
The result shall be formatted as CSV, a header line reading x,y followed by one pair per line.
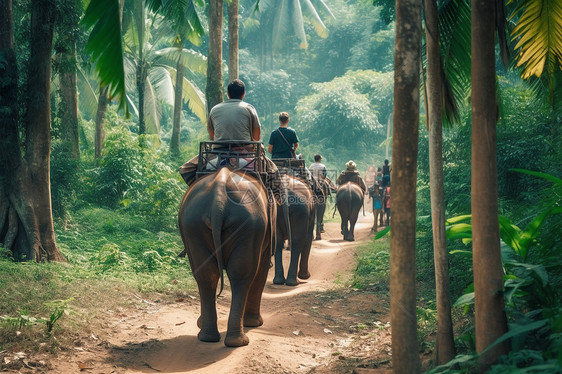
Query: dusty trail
x,y
317,327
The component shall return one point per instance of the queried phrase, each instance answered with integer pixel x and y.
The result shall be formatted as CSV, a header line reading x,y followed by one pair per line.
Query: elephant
x,y
326,186
295,223
349,200
227,223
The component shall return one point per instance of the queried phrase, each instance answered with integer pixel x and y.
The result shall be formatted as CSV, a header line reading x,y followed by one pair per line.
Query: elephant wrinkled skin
x,y
226,223
349,200
295,222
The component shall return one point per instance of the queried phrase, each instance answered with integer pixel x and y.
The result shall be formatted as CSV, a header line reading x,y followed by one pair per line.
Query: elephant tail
x,y
285,206
217,219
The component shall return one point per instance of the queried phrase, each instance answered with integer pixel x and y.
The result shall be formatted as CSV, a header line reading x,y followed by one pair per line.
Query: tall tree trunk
x,y
69,97
405,351
176,128
67,21
141,77
103,101
490,319
233,40
445,345
25,190
214,90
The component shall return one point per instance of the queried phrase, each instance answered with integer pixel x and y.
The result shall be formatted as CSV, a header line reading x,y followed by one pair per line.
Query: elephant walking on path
x,y
226,223
295,223
349,200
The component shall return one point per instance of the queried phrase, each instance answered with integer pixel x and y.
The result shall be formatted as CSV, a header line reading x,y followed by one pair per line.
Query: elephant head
x,y
226,222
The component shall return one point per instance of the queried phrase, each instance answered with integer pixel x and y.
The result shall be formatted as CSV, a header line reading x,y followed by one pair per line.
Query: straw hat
x,y
350,165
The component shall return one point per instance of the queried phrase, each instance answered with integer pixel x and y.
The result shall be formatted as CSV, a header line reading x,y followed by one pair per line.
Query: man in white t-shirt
x,y
318,169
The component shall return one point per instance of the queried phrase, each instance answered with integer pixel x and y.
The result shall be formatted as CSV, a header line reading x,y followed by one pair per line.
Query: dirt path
x,y
320,326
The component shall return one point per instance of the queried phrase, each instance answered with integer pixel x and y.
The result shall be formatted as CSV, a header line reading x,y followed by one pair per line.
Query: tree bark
x,y
445,345
214,90
67,25
490,318
405,351
25,181
69,97
233,40
103,101
176,128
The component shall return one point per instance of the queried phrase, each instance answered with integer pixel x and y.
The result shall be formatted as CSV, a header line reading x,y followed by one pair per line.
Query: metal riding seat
x,y
247,156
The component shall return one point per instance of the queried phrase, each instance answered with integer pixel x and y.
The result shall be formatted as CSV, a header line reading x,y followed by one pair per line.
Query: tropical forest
x,y
161,160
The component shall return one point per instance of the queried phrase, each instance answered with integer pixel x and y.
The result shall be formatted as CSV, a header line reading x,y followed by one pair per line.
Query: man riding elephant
x,y
349,199
350,174
232,119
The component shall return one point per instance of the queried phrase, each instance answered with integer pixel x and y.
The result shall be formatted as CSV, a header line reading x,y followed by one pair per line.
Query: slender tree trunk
x,y
233,40
103,101
405,351
67,25
488,273
25,184
176,129
214,91
69,97
140,89
445,345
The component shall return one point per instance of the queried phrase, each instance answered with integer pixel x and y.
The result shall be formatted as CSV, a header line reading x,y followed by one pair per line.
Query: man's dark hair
x,y
317,158
236,89
283,117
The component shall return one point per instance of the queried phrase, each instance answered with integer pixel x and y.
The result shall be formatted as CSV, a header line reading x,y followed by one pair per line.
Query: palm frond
x,y
87,99
319,26
538,33
192,95
297,22
191,59
162,83
151,109
104,45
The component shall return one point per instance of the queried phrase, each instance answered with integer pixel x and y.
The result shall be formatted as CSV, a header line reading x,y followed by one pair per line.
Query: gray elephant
x,y
295,223
326,187
349,200
226,223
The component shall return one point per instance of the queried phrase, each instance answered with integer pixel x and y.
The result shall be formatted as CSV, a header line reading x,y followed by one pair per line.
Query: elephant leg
x,y
279,272
252,314
305,253
207,279
235,336
352,222
320,209
293,265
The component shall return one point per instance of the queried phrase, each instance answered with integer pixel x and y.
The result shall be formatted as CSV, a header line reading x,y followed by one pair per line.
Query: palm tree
x,y
289,18
233,15
214,91
445,345
405,358
490,318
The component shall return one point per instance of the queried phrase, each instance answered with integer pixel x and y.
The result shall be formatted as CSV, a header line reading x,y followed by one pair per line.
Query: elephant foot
x,y
318,237
291,282
304,274
252,320
237,339
350,239
209,336
279,279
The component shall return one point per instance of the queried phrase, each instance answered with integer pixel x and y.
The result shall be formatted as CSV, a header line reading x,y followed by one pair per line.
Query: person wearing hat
x,y
350,174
